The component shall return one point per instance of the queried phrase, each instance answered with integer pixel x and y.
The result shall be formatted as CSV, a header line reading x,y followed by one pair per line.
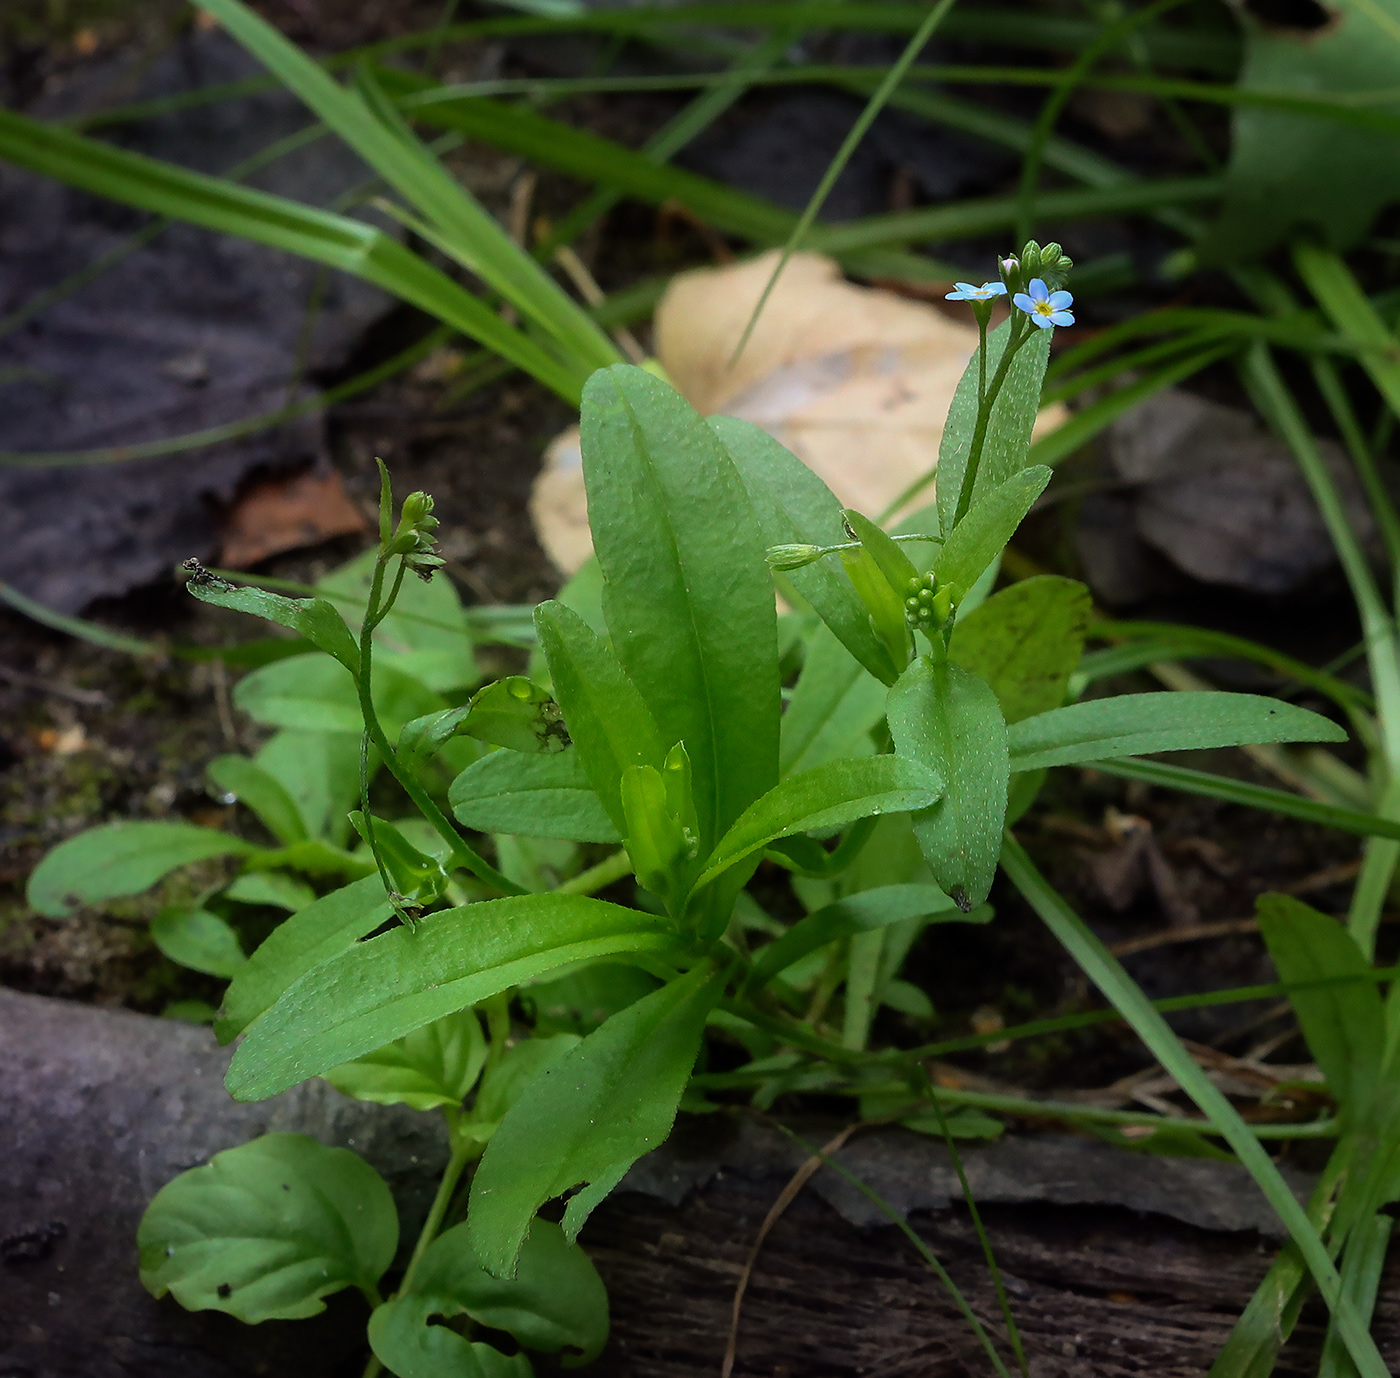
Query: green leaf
x,y
534,796
314,618
313,693
119,859
380,990
609,722
197,939
1008,429
253,787
265,1230
321,772
317,858
686,591
419,878
555,1302
587,1120
827,796
1132,724
1343,1025
794,507
311,936
517,714
898,569
865,912
950,721
834,706
1290,171
271,888
435,1065
512,1076
989,524
1025,642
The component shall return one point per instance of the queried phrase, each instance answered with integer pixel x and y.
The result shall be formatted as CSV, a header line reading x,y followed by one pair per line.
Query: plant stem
x,y
597,877
987,400
462,1154
462,853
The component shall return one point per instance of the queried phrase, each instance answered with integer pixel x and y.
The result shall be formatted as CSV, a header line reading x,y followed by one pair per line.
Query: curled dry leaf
x,y
855,381
287,513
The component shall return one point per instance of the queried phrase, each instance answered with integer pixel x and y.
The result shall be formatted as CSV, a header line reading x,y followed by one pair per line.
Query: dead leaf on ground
x,y
281,514
855,381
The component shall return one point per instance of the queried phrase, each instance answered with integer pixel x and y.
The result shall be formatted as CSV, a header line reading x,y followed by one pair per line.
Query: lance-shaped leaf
x,y
686,592
1343,1024
833,707
983,533
555,1302
1025,642
384,988
254,788
265,1230
950,721
865,912
435,1065
314,618
827,796
589,1118
1137,724
311,936
608,721
121,859
794,507
1008,429
531,796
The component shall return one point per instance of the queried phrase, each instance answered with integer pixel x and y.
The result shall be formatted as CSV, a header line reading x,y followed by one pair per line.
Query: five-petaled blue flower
x,y
1044,307
967,292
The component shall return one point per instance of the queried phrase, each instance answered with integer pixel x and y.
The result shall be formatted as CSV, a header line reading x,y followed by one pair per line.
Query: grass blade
x,y
1127,997
335,240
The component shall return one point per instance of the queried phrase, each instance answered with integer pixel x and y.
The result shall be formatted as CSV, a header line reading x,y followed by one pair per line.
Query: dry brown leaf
x,y
855,381
280,514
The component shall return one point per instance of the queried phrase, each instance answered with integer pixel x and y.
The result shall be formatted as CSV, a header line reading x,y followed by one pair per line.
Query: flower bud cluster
x,y
927,604
1051,264
414,538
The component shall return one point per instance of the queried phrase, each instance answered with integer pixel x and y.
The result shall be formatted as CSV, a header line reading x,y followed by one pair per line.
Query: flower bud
x,y
793,556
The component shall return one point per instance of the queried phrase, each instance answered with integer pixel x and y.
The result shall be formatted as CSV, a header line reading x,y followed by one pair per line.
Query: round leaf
x,y
265,1230
555,1302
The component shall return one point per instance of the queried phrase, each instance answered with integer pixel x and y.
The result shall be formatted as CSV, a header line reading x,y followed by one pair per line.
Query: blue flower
x,y
1044,307
967,292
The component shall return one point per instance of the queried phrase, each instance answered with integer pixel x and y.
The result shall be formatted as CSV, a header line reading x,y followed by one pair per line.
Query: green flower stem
x,y
987,397
462,854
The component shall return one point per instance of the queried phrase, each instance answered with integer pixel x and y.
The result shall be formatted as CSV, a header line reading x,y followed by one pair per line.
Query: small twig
x,y
589,290
88,698
786,1197
1195,933
218,677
